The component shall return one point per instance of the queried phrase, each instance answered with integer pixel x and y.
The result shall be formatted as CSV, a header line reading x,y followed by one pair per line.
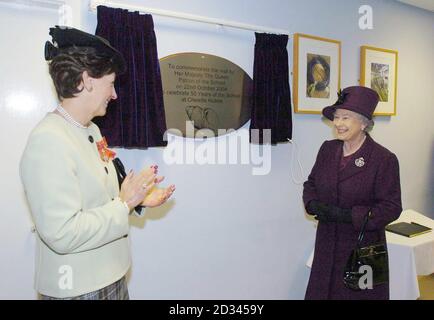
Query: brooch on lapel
x,y
104,152
359,162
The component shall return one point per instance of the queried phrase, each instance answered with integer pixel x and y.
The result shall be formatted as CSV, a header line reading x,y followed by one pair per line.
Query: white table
x,y
408,257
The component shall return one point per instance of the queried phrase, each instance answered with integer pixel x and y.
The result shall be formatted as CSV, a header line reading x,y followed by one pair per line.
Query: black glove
x,y
328,213
341,215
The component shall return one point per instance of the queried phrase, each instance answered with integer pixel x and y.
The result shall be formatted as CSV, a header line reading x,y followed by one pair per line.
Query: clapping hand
x,y
158,196
135,187
141,189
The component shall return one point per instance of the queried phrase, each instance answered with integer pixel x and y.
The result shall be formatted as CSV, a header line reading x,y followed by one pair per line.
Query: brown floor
x,y
426,287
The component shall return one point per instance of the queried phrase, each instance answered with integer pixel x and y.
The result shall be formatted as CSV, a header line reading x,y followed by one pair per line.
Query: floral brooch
x,y
359,162
104,152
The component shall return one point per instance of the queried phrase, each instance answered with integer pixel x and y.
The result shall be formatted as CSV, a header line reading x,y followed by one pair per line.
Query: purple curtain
x,y
136,119
271,94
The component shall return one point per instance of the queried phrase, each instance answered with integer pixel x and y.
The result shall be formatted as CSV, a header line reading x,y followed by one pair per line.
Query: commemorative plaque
x,y
209,91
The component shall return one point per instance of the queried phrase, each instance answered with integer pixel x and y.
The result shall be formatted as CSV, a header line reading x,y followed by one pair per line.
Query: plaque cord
x,y
294,157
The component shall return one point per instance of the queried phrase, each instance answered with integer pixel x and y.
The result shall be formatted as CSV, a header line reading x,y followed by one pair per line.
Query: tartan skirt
x,y
115,291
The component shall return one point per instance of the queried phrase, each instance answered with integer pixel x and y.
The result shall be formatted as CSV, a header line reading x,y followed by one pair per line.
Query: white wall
x,y
24,99
226,234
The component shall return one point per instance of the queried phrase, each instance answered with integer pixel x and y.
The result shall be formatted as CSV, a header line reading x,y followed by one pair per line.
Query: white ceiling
x,y
424,4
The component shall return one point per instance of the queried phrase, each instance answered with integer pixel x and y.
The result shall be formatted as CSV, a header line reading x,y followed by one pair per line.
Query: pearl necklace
x,y
69,118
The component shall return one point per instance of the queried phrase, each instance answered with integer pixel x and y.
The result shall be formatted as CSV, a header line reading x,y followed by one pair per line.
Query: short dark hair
x,y
66,69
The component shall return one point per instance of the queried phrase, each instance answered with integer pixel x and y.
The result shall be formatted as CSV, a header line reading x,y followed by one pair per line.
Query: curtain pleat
x,y
271,94
136,119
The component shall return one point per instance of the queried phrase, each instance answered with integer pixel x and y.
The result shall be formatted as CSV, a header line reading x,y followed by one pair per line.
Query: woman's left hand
x,y
157,196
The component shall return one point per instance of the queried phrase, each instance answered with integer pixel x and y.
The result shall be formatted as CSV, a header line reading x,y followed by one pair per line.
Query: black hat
x,y
66,37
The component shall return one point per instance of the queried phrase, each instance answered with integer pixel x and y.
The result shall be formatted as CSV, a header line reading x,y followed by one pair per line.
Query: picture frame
x,y
316,73
379,71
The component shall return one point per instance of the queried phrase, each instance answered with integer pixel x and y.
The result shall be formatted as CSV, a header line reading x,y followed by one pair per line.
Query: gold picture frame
x,y
316,73
379,71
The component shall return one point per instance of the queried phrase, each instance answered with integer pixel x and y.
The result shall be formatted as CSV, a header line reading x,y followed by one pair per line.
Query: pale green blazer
x,y
81,224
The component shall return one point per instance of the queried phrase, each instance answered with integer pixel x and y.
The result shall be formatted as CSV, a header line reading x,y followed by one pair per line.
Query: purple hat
x,y
358,99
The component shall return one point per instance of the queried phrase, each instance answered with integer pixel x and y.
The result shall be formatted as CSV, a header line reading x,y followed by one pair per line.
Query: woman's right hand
x,y
134,188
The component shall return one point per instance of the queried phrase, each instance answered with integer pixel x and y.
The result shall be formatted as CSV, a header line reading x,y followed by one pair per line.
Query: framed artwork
x,y
379,70
316,73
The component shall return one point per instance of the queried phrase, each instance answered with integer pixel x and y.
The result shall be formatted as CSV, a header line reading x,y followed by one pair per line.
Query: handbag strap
x,y
362,231
120,170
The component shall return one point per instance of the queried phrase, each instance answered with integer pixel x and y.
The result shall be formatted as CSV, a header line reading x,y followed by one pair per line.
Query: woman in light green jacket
x,y
79,211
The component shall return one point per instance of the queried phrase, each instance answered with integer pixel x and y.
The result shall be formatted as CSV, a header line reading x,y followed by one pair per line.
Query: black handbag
x,y
374,256
120,172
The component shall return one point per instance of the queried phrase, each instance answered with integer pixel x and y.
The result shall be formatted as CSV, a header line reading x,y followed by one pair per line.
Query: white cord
x,y
294,155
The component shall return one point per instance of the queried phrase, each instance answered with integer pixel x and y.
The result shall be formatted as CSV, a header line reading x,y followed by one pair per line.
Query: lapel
x,y
359,162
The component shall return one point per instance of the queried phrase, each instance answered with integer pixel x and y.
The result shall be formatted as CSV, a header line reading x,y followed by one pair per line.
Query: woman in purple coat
x,y
353,177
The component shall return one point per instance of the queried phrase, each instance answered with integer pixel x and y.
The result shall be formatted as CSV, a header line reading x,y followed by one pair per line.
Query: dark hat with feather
x,y
66,37
359,99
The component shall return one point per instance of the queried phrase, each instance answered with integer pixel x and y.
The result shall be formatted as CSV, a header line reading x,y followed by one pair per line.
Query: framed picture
x,y
316,73
379,70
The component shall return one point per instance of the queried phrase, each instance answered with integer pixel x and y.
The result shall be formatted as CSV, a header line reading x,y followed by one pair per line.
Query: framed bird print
x,y
379,70
316,73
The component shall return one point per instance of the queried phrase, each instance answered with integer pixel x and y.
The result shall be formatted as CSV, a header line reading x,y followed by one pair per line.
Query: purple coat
x,y
372,187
